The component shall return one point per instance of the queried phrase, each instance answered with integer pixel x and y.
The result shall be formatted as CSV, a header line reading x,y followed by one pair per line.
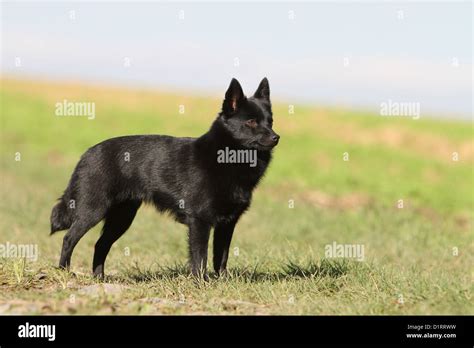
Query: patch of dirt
x,y
320,199
24,307
392,136
55,157
463,220
4,308
426,212
429,145
98,289
349,201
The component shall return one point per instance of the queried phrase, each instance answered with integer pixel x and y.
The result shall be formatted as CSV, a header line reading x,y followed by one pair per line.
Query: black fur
x,y
178,175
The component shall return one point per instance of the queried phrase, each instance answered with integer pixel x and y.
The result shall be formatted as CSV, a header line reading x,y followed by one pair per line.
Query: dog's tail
x,y
61,216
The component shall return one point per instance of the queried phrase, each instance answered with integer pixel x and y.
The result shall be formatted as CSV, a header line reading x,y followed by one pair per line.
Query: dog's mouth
x,y
263,146
266,147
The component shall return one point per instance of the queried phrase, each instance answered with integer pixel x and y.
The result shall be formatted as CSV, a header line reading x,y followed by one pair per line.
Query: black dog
x,y
183,176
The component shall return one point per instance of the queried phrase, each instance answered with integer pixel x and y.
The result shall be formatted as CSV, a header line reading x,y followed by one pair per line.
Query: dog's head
x,y
249,120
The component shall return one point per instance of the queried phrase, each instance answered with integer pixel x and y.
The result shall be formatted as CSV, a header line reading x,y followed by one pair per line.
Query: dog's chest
x,y
232,202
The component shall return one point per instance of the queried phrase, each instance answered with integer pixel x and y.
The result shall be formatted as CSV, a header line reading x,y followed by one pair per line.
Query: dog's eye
x,y
251,123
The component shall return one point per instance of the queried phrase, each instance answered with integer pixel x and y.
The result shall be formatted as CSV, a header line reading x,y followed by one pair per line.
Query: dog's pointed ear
x,y
263,90
233,98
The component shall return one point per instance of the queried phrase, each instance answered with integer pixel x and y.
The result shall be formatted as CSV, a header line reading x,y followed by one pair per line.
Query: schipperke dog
x,y
187,177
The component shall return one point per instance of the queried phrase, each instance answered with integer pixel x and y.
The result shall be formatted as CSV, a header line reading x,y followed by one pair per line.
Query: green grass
x,y
278,263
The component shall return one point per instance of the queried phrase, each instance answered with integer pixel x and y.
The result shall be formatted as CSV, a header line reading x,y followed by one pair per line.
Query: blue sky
x,y
405,51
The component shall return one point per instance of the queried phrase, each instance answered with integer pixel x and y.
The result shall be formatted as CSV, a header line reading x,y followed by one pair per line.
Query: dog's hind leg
x,y
117,220
78,229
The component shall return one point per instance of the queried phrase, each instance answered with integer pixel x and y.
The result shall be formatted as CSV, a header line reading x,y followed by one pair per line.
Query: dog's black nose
x,y
275,138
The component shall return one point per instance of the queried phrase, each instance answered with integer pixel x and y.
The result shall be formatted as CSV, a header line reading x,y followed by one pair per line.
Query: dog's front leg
x,y
222,238
198,242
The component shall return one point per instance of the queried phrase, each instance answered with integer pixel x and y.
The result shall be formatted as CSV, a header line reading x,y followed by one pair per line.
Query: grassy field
x,y
418,259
